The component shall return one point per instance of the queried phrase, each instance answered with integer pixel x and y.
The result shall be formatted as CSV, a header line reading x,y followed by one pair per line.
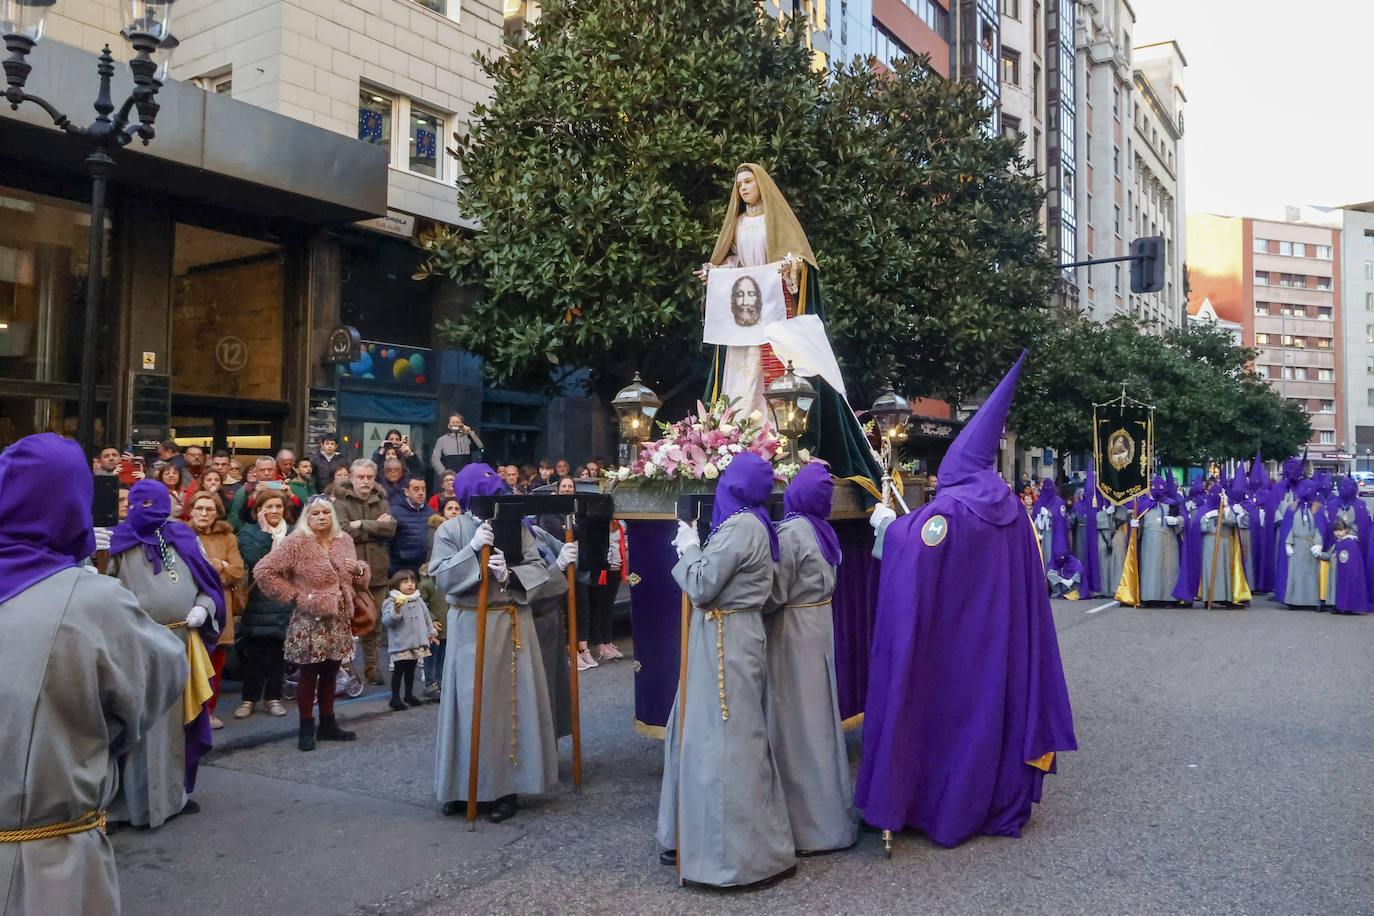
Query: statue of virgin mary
x,y
759,228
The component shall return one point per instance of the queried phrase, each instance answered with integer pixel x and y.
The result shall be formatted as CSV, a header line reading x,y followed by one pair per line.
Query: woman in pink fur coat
x,y
316,567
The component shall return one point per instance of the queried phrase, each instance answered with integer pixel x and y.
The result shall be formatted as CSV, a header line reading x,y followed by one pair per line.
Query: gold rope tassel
x,y
718,615
91,820
516,647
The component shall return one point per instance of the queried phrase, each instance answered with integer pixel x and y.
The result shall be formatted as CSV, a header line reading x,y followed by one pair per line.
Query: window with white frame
x,y
221,82
412,132
1327,437
447,8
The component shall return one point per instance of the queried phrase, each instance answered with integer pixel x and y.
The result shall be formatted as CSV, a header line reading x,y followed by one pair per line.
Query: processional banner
x,y
741,302
1123,446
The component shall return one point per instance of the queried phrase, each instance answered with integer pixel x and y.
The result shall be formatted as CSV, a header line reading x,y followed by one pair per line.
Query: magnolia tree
x,y
600,168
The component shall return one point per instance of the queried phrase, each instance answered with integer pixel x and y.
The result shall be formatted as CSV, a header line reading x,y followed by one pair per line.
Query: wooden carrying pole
x,y
1216,551
475,739
572,662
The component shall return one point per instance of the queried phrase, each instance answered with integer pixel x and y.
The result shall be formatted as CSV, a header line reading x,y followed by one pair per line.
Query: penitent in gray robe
x,y
1111,550
528,737
1304,569
153,786
803,698
85,673
1159,551
724,789
546,604
1225,590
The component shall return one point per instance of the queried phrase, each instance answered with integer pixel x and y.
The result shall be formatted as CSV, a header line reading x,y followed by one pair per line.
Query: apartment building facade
x,y
219,255
1281,281
1154,198
1357,294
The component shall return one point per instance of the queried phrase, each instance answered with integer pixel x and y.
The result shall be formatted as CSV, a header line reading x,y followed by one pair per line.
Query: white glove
x,y
1316,550
686,537
1135,523
1239,511
1288,549
1212,514
881,516
1173,521
567,556
484,537
497,565
102,538
613,557
196,616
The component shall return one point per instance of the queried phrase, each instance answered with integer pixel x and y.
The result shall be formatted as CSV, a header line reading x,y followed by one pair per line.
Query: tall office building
x,y
1155,196
1281,281
1357,312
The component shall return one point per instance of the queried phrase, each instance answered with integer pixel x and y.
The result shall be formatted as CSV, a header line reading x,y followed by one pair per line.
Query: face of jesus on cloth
x,y
744,302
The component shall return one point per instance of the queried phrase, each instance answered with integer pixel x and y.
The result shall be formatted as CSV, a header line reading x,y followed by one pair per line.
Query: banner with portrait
x,y
741,302
1123,445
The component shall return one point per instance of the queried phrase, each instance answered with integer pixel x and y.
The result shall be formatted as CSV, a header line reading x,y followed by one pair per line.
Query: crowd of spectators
x,y
389,505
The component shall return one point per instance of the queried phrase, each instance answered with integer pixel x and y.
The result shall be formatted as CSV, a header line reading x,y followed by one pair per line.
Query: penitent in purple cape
x,y
966,699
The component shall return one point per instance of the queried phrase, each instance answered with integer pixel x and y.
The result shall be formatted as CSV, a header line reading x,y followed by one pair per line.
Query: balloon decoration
x,y
390,366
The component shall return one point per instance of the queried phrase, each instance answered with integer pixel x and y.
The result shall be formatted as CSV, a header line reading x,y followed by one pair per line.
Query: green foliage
x,y
1209,404
600,168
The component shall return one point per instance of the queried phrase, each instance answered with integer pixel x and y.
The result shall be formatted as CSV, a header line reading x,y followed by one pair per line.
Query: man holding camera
x,y
455,448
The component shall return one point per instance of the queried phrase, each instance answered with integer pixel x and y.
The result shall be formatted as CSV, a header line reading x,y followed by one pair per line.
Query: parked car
x,y
1366,482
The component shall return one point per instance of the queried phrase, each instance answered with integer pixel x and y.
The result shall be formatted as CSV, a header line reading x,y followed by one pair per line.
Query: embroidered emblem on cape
x,y
934,530
1345,556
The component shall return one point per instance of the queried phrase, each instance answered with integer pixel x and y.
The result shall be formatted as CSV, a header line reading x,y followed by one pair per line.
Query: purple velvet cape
x,y
1276,558
965,682
1086,510
809,496
1352,585
140,530
1050,499
45,529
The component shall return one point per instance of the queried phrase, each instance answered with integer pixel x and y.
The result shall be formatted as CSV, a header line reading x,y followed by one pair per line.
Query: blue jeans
x,y
434,664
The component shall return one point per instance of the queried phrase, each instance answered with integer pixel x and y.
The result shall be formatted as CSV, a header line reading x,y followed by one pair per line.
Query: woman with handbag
x,y
222,550
317,567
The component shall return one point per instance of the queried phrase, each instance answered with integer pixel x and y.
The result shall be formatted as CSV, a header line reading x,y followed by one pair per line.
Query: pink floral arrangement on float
x,y
700,447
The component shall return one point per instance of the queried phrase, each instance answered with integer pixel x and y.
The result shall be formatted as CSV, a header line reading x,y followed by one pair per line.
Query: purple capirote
x,y
966,692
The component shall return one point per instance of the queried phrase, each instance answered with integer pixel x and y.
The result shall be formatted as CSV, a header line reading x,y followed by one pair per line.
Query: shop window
x,y
43,267
425,130
228,315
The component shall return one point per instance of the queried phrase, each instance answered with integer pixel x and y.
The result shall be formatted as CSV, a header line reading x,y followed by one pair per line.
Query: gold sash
x,y
719,615
514,672
91,820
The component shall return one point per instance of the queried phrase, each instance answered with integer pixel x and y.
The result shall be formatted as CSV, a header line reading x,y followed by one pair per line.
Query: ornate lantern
x,y
790,398
890,413
636,405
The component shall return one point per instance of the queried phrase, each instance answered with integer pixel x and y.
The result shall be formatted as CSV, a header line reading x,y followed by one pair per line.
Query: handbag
x,y
365,614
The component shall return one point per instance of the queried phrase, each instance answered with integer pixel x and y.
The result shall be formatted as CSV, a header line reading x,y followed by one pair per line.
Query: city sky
x,y
1273,114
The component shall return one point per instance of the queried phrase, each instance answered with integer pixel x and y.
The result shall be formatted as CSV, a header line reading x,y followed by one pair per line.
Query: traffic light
x,y
1147,265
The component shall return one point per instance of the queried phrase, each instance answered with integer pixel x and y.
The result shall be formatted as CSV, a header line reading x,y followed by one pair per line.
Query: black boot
x,y
306,741
330,731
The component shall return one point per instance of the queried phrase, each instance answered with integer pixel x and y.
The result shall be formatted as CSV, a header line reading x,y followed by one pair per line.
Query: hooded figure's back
x,y
966,699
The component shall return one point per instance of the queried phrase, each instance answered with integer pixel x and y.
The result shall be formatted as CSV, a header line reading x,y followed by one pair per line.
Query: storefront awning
x,y
208,147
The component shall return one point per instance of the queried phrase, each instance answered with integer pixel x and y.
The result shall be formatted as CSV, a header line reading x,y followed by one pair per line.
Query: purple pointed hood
x,y
745,485
46,529
1259,480
476,480
967,472
1292,471
809,496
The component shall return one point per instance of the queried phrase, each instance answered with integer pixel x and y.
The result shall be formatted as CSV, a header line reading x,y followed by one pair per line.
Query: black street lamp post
x,y
21,22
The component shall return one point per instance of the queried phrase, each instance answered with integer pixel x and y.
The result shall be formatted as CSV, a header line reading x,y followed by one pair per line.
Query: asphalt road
x,y
1226,765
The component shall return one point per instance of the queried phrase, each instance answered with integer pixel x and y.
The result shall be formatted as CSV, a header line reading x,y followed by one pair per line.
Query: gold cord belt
x,y
718,615
809,604
176,625
91,820
514,680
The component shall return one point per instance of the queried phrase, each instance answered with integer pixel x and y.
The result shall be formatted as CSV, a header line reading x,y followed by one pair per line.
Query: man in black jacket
x,y
325,461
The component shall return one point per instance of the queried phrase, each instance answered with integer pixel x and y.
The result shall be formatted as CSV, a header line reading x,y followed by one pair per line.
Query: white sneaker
x,y
610,653
245,710
584,660
216,723
275,708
